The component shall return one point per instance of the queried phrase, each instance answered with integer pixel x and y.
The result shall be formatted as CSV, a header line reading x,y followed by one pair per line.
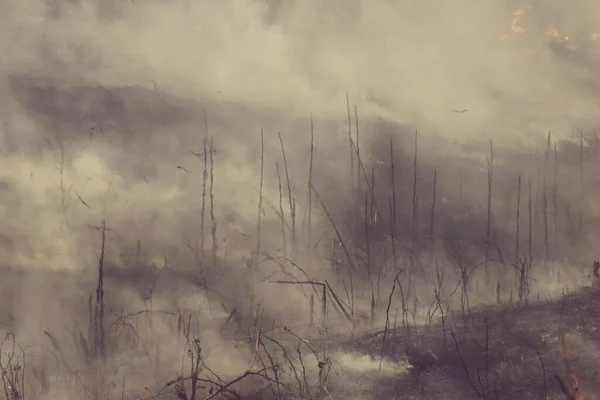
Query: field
x,y
256,227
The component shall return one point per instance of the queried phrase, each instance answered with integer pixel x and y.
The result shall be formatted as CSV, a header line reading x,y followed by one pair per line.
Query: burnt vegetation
x,y
412,267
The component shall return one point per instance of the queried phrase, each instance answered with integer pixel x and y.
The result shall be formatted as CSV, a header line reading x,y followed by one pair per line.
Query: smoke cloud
x,y
141,121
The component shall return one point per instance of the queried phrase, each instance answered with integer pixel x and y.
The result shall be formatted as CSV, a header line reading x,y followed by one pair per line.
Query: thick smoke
x,y
410,61
141,121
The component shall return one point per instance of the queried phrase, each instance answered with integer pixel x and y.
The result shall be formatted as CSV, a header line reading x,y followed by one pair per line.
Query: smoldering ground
x,y
141,123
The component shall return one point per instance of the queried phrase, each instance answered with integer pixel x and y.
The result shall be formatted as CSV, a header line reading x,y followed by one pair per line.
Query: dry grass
x,y
412,280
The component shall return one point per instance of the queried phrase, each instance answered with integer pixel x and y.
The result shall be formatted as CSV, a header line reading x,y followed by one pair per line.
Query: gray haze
x,y
106,105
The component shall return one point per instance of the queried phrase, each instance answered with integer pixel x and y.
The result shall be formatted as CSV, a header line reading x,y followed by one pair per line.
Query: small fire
x,y
517,30
556,35
576,392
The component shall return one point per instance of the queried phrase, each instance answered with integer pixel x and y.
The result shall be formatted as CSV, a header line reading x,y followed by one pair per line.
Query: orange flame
x,y
576,392
516,30
556,35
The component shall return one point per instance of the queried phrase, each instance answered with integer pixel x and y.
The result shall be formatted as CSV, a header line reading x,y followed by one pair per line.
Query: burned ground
x,y
430,239
199,204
